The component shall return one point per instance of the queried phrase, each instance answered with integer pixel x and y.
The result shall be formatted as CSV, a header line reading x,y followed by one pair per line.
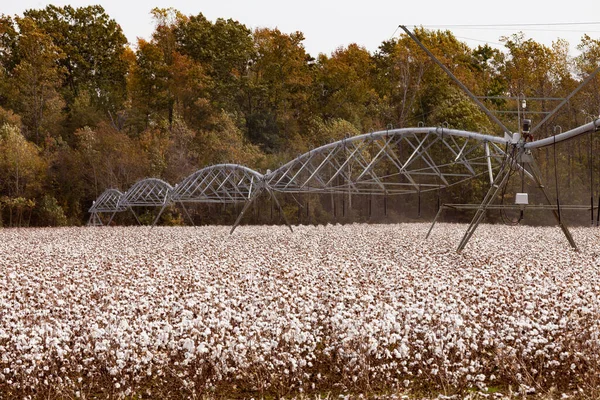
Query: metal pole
x,y
136,217
186,213
241,215
419,211
538,179
334,203
598,213
501,179
592,177
280,209
385,205
159,214
458,82
565,101
439,213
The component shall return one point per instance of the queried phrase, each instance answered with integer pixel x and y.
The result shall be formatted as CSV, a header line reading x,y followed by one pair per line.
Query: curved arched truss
x,y
107,202
149,192
221,183
390,162
395,161
588,128
386,162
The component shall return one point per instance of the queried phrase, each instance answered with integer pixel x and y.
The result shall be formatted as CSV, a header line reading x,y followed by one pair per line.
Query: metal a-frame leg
x,y
187,213
499,182
159,214
537,176
95,220
280,209
111,218
246,206
249,203
439,213
135,216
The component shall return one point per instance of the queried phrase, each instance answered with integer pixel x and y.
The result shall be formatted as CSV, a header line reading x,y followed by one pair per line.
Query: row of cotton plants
x,y
192,312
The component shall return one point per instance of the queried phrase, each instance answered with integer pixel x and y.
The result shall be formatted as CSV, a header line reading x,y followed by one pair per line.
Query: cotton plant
x,y
356,308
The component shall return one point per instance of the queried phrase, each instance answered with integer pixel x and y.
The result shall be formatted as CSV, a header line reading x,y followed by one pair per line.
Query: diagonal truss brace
x,y
500,182
251,200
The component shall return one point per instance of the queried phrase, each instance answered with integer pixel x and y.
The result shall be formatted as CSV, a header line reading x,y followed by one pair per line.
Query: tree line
x,y
82,110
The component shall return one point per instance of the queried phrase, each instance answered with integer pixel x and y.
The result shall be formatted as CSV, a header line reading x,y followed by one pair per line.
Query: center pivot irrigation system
x,y
389,162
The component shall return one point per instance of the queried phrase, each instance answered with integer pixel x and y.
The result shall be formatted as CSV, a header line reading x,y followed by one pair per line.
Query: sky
x,y
329,24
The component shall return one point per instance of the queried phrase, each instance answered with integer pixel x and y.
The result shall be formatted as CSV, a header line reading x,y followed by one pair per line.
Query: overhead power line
x,y
528,29
513,25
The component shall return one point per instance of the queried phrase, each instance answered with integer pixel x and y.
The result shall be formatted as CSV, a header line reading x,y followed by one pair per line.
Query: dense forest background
x,y
82,110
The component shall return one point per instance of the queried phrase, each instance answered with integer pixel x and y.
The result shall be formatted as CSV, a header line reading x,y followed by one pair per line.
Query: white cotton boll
x,y
188,345
123,324
347,293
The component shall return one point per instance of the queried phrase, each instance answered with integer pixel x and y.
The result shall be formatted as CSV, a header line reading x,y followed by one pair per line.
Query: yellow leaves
x,y
167,17
21,165
227,144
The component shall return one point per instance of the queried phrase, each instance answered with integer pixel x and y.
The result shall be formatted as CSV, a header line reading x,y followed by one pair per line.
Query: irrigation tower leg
x,y
499,182
95,220
187,213
537,176
280,210
158,216
439,213
246,206
111,218
135,215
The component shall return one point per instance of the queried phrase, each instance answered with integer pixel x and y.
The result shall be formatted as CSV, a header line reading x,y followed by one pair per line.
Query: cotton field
x,y
356,309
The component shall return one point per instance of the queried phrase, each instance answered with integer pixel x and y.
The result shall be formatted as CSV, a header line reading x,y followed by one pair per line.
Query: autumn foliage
x,y
82,110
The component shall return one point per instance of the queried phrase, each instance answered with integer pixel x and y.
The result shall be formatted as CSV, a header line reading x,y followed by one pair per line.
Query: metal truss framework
x,y
149,192
392,162
521,157
389,162
222,183
107,202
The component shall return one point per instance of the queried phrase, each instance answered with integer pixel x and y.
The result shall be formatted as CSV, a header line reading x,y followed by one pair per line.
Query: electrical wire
x,y
514,25
556,182
535,30
505,219
479,40
591,177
